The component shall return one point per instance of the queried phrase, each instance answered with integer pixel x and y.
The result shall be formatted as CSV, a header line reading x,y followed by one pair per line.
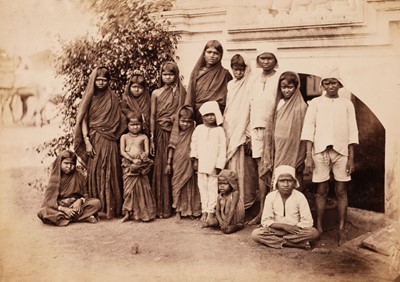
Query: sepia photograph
x,y
211,140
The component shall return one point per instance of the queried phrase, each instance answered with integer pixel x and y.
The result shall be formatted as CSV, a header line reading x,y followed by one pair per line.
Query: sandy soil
x,y
168,250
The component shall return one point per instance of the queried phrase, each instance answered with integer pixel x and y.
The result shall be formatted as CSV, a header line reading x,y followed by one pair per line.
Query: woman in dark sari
x,y
100,124
165,103
136,100
209,79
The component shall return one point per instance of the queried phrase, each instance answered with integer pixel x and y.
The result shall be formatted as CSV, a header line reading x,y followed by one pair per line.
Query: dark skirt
x,y
104,175
161,182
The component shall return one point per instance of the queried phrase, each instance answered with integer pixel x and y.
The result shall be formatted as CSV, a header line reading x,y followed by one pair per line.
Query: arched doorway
x,y
366,190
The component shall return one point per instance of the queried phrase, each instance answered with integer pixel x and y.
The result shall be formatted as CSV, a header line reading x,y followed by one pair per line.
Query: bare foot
x,y
178,216
124,219
342,237
91,219
211,220
255,220
319,228
203,217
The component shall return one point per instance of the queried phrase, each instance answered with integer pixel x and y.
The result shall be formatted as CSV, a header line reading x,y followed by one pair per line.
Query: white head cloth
x,y
212,107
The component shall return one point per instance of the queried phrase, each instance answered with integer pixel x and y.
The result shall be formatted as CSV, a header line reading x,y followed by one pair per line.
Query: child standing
x,y
230,208
330,129
208,154
288,123
165,103
236,129
185,193
138,200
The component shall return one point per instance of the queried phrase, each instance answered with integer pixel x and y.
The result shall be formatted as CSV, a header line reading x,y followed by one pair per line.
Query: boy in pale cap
x,y
286,218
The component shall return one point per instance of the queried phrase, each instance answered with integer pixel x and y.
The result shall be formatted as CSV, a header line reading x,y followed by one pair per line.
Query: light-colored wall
x,y
359,37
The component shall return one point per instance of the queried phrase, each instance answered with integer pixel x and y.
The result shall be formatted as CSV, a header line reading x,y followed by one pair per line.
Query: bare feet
x,y
203,217
342,237
255,220
319,228
124,219
304,245
178,216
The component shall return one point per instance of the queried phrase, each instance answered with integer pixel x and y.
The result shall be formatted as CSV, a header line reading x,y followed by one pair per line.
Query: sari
x,y
288,123
236,123
106,123
64,190
168,101
226,201
208,85
137,105
185,192
138,199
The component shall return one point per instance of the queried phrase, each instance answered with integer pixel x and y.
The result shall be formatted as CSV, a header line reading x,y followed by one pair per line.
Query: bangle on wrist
x,y
59,208
86,138
309,152
83,200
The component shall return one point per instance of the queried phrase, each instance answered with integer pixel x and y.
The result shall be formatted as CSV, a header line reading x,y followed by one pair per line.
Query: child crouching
x,y
230,207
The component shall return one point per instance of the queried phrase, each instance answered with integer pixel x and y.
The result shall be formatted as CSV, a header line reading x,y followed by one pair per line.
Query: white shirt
x,y
296,210
330,121
208,145
262,99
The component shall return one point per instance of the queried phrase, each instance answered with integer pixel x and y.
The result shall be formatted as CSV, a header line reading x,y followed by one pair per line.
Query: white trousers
x,y
208,187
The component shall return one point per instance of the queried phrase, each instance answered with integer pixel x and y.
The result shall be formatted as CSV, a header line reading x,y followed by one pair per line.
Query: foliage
x,y
133,36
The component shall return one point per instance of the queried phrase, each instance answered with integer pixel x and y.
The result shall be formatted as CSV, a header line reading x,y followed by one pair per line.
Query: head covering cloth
x,y
284,169
211,107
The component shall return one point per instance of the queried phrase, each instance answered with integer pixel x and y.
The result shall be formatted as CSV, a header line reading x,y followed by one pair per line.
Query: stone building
x,y
361,38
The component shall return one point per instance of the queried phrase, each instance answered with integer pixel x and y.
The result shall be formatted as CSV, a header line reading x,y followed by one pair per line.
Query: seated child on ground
x,y
230,208
66,199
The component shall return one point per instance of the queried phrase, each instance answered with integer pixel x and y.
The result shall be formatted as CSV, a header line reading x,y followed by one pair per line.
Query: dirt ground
x,y
168,250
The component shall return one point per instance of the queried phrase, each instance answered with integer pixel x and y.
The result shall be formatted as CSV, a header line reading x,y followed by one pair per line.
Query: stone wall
x,y
359,37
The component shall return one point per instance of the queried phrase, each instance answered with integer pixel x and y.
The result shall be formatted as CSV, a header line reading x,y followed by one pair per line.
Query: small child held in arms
x,y
230,207
208,154
138,200
185,193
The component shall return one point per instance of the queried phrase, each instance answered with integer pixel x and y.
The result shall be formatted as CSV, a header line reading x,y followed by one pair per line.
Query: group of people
x,y
209,151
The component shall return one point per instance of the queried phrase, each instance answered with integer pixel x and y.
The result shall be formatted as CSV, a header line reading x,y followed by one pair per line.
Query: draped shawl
x,y
227,201
169,100
60,187
182,165
103,115
210,85
237,112
288,122
137,105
